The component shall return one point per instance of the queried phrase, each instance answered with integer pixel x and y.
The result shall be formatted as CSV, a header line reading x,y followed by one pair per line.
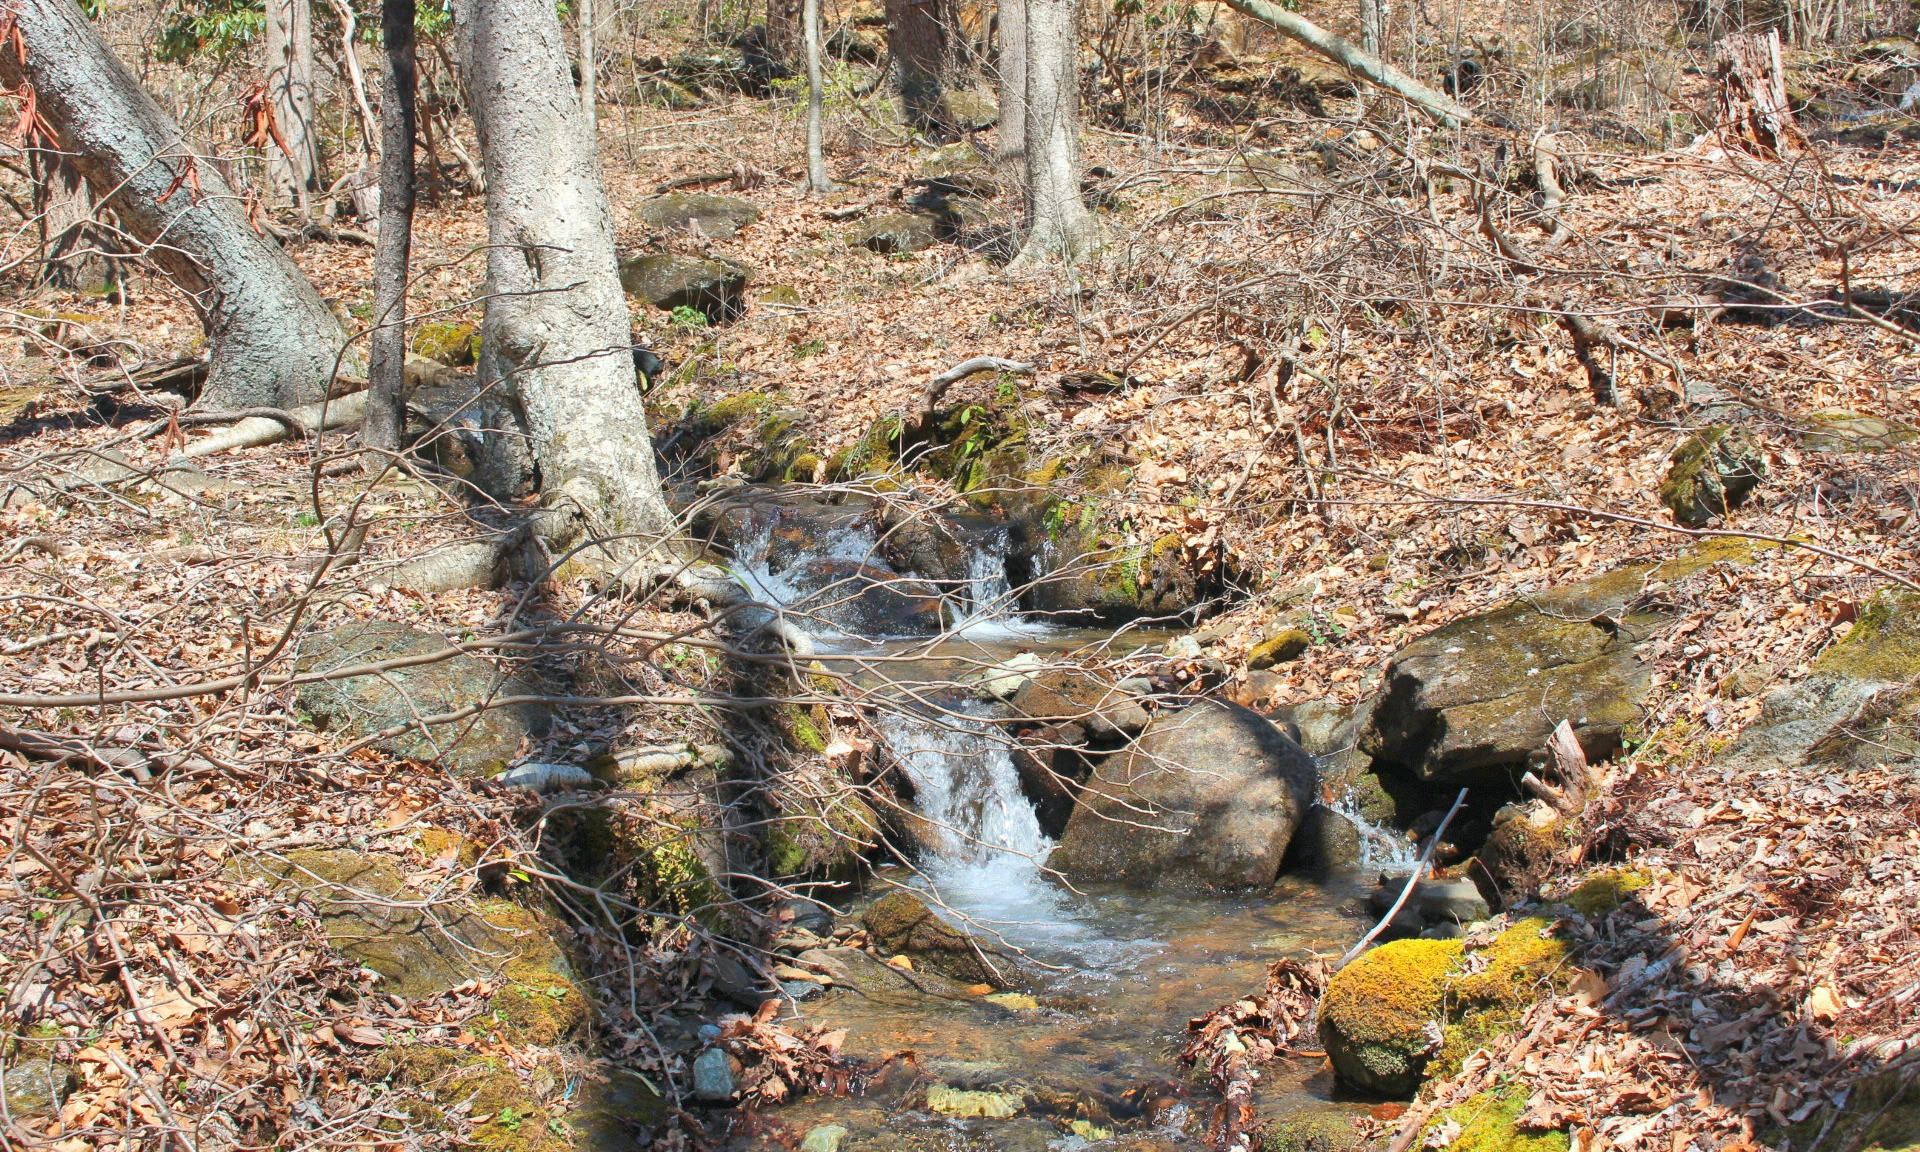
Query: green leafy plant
x,y
689,318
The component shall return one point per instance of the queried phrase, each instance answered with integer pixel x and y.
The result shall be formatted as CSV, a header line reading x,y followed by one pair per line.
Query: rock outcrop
x,y
1207,797
718,217
1712,473
714,288
482,744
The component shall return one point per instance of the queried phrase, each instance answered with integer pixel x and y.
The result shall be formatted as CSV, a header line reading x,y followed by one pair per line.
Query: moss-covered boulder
x,y
720,217
1471,701
479,745
1278,649
901,924
33,1087
895,233
1712,472
454,343
1881,1114
1208,797
1520,851
1857,705
607,1107
821,825
1844,431
714,288
423,947
1389,1015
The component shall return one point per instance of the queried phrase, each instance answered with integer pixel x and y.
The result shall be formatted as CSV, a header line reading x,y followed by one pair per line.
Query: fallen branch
x,y
938,386
1419,870
1356,59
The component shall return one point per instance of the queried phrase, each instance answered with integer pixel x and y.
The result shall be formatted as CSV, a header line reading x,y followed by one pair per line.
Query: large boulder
x,y
896,233
1475,699
715,288
1207,797
721,217
1072,696
1387,1016
482,744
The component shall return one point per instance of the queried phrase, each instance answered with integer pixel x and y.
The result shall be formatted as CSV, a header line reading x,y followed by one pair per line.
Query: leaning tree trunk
x,y
817,178
74,248
1012,149
387,355
1355,59
556,331
274,341
589,73
295,170
1058,222
1750,93
917,41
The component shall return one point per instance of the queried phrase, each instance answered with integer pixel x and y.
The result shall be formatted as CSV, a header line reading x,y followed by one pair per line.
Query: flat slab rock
x,y
480,745
721,217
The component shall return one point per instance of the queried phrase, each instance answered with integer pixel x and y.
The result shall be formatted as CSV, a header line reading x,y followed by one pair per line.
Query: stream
x,y
1116,972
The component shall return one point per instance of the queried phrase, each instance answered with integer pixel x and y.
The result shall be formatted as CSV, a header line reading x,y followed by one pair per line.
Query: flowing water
x,y
1115,972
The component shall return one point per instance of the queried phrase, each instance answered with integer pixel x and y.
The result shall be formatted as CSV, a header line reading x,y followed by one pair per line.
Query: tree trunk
x,y
589,75
1012,150
556,334
785,30
817,178
1373,23
289,39
370,126
387,354
1355,59
1058,222
274,341
73,247
917,41
1750,92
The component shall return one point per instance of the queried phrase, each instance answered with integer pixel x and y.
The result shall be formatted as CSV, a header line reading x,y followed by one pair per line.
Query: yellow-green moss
x,y
1278,649
452,342
438,842
448,1077
1523,962
1602,892
804,468
1487,1124
802,728
1884,643
1392,991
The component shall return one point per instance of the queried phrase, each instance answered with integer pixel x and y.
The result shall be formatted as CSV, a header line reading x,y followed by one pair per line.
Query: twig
x,y
1419,870
938,386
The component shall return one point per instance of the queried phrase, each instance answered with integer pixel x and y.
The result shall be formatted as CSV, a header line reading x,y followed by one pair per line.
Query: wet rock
x,y
1842,431
1071,696
714,288
720,217
1451,901
961,1102
1004,680
1473,700
1326,841
734,981
1050,766
895,232
1082,573
1209,796
823,1138
34,1088
482,745
1278,649
900,923
865,599
713,1079
1325,727
1713,472
1388,1015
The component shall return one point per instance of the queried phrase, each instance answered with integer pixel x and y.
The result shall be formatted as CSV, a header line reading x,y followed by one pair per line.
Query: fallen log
x,y
1356,59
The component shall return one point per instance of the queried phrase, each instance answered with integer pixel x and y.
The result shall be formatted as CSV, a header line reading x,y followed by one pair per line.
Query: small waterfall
x,y
1380,848
965,783
986,609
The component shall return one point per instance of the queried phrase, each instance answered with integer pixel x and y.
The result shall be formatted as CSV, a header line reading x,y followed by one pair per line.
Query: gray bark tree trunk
x,y
917,40
818,179
556,332
1012,150
289,40
274,341
589,73
387,354
1355,59
1059,225
73,247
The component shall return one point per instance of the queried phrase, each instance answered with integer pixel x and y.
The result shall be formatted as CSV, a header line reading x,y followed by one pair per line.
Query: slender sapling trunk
x,y
387,355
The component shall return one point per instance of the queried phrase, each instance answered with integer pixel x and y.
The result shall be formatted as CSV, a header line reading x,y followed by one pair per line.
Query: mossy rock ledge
x,y
719,217
715,288
1472,701
1391,1015
901,924
1713,472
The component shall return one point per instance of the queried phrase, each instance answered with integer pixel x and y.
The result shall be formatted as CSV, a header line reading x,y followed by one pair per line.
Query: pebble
x,y
713,1076
823,1138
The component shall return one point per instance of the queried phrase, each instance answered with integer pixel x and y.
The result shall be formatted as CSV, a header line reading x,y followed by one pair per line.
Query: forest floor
x,y
1335,382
